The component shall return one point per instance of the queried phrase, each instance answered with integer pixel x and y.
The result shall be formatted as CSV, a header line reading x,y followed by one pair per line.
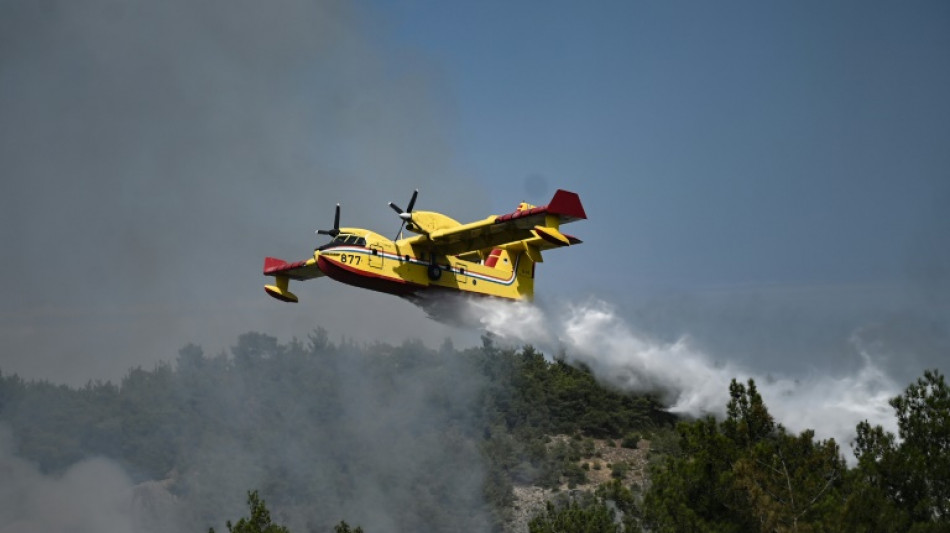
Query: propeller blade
x,y
336,225
406,215
398,233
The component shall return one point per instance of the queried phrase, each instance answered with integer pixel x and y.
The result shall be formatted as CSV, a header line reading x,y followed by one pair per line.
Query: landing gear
x,y
435,272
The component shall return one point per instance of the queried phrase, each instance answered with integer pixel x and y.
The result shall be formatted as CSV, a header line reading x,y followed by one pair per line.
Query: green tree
x,y
626,502
252,416
343,527
259,521
790,483
923,421
745,474
692,490
591,517
904,484
869,508
747,420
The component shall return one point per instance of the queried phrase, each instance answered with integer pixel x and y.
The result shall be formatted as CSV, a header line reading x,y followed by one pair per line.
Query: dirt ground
x,y
529,500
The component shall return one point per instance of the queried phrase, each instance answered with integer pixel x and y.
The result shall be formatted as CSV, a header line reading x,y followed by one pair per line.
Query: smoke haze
x,y
92,496
153,154
383,436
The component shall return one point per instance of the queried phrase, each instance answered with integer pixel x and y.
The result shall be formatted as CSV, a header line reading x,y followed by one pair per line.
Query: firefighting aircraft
x,y
493,257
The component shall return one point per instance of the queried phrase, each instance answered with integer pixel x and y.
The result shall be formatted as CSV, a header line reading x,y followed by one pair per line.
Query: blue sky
x,y
714,143
770,179
766,178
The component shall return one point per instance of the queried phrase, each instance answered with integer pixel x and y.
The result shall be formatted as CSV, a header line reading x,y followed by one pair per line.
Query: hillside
x,y
408,438
390,437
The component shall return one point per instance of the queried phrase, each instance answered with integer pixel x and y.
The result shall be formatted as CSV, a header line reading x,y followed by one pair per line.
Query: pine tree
x,y
259,521
904,484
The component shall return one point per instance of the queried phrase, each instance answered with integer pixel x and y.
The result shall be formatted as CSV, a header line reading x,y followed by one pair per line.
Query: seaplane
x,y
493,257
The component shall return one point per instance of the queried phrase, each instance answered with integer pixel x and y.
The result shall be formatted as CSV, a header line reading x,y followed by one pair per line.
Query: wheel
x,y
435,272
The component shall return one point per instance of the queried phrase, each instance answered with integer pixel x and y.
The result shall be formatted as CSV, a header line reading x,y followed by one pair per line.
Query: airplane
x,y
493,257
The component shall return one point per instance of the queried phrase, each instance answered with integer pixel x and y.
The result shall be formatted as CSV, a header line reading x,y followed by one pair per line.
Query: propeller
x,y
406,215
336,225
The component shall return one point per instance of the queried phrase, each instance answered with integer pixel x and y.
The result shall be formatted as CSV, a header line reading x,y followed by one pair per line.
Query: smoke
x,y
690,381
92,496
383,436
379,436
154,153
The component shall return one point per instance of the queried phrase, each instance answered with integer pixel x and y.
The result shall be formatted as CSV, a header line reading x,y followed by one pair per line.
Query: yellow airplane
x,y
493,257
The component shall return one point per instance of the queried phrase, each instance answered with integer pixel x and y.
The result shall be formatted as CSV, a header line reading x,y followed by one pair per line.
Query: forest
x,y
320,436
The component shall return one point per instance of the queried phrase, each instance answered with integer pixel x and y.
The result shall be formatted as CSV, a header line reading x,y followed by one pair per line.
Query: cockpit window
x,y
337,241
344,238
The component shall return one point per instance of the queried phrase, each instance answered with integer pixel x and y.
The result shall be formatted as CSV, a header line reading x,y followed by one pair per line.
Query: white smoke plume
x,y
690,381
92,496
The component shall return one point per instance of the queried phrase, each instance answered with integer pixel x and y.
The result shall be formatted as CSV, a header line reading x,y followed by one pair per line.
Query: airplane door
x,y
376,256
461,276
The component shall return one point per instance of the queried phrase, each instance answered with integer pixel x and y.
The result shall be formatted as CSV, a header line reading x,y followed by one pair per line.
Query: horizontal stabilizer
x,y
299,270
552,236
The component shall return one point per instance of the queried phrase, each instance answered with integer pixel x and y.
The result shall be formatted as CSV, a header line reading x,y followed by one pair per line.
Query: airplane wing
x,y
531,229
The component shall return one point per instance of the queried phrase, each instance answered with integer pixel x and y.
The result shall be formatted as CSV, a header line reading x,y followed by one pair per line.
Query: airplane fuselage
x,y
376,263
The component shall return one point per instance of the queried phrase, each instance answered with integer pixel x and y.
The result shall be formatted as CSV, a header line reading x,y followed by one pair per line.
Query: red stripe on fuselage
x,y
493,258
